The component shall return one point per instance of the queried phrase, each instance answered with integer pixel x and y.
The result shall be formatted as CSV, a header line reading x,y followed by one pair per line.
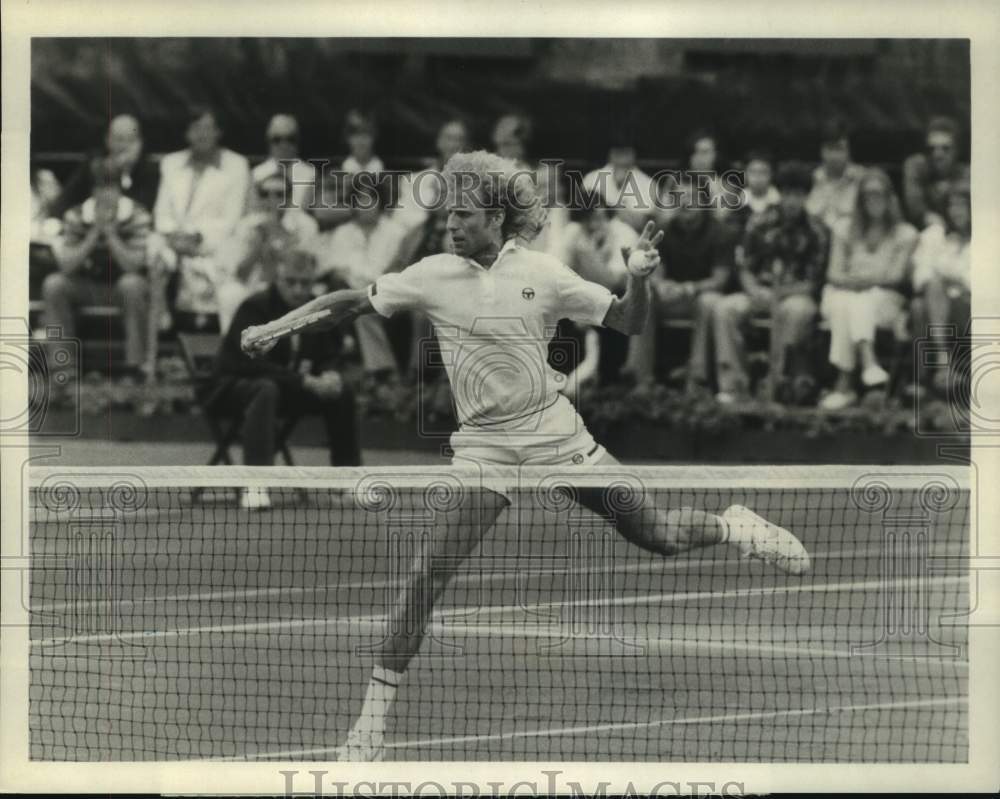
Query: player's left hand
x,y
643,259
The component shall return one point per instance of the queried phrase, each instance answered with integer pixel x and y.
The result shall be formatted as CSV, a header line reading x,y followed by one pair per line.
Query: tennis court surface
x,y
167,623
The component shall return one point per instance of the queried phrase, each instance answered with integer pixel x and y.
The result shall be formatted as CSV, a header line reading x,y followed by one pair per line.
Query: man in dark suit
x,y
298,376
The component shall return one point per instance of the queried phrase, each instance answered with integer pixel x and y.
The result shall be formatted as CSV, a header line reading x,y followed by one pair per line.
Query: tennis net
x,y
167,622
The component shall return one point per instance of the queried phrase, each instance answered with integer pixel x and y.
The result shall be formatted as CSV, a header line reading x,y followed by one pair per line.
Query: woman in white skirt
x,y
869,260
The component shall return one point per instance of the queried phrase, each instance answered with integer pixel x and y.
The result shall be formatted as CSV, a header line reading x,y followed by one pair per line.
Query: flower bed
x,y
607,410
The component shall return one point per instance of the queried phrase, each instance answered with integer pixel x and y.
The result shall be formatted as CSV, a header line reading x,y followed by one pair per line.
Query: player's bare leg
x,y
668,532
457,533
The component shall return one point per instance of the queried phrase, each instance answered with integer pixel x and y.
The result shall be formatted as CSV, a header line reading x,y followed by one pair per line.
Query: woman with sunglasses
x,y
272,228
869,257
283,158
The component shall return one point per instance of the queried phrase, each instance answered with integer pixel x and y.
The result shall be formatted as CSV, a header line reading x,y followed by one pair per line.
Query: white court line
x,y
665,564
290,624
726,718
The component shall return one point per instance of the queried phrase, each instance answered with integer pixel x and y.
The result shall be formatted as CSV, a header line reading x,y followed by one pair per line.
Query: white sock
x,y
378,700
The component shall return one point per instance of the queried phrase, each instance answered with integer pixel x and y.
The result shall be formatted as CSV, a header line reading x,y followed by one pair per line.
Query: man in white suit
x,y
201,198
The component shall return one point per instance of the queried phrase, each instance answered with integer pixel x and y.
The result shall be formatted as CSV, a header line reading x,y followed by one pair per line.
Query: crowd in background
x,y
202,241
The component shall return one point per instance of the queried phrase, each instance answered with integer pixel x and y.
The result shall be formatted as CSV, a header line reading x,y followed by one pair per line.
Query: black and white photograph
x,y
591,405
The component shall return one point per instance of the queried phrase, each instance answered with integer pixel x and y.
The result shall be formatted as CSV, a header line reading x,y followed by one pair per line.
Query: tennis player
x,y
494,305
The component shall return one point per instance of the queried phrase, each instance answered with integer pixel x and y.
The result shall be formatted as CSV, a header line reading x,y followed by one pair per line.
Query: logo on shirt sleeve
x,y
528,293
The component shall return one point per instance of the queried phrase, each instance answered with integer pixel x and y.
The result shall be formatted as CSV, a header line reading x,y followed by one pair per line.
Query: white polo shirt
x,y
494,326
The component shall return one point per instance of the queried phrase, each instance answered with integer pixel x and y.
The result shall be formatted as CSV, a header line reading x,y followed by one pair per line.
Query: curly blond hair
x,y
499,184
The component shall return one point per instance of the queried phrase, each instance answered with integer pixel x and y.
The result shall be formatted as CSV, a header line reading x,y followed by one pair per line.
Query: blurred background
x,y
144,273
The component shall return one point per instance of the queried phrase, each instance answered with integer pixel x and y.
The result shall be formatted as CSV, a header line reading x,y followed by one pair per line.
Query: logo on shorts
x,y
528,293
578,459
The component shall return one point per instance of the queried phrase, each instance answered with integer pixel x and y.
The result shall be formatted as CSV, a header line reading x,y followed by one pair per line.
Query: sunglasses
x,y
275,193
278,139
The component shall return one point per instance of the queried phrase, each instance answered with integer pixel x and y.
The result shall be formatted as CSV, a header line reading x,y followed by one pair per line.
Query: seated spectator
x,y
202,195
45,191
248,259
697,265
758,193
835,181
359,133
355,254
138,176
44,231
592,247
102,261
869,256
622,185
782,260
299,376
703,156
283,154
928,177
333,205
511,138
942,275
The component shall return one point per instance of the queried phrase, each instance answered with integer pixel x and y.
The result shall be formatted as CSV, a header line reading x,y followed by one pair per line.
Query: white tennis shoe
x,y
756,537
361,746
253,498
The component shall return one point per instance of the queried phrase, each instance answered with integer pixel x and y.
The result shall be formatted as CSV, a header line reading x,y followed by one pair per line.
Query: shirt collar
x,y
508,246
215,161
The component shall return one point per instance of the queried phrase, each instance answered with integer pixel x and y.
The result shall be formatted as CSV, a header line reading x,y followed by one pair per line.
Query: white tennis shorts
x,y
553,436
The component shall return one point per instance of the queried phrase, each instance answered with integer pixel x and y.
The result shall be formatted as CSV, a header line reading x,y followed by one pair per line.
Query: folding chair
x,y
199,351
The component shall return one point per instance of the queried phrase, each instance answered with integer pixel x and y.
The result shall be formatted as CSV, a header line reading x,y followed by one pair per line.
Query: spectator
x,y
622,185
928,177
942,275
299,376
868,261
697,256
283,153
202,195
592,246
359,133
45,191
355,254
703,156
758,194
511,137
102,260
835,181
138,175
333,207
781,260
248,259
